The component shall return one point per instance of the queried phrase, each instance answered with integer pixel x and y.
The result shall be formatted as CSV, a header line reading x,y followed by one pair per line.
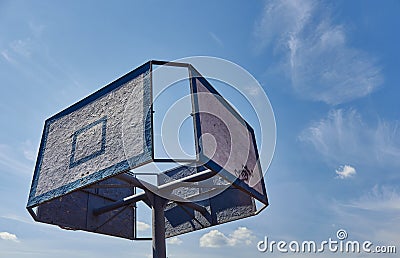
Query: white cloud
x,y
346,171
315,53
174,241
8,236
241,235
141,226
215,238
344,136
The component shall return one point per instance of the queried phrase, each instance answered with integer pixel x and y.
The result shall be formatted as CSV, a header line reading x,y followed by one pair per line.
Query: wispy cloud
x,y
36,28
216,39
379,206
215,238
8,236
280,20
30,55
22,47
380,199
28,150
5,54
314,52
19,51
18,218
343,136
9,158
346,171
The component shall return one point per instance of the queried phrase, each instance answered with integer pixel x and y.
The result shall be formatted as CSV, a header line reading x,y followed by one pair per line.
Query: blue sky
x,y
330,70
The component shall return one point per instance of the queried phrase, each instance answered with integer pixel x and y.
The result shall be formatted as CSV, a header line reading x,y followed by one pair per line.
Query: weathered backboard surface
x,y
83,144
228,205
75,210
226,142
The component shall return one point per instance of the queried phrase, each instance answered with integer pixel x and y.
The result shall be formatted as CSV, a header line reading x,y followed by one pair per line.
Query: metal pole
x,y
159,248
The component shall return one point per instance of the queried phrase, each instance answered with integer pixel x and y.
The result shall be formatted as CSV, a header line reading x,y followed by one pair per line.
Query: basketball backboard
x,y
82,144
86,172
226,142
